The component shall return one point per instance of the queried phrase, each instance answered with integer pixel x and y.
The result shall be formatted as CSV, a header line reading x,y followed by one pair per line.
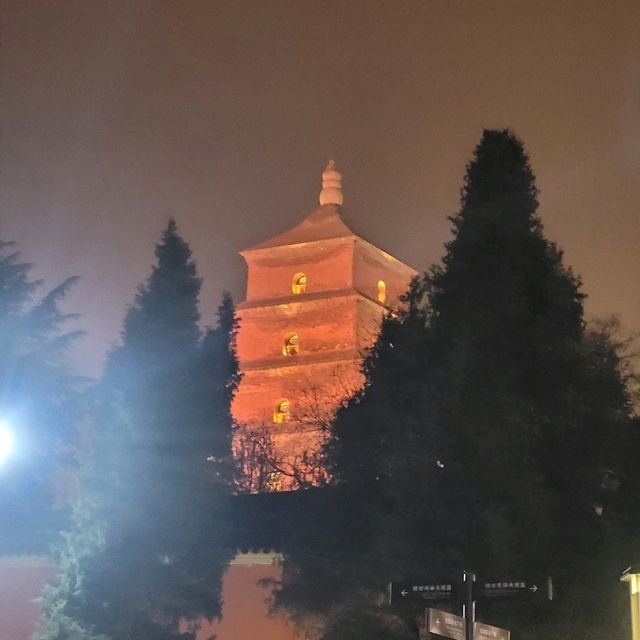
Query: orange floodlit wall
x,y
246,609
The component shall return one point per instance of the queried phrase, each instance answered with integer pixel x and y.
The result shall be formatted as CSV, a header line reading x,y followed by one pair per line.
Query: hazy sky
x,y
119,114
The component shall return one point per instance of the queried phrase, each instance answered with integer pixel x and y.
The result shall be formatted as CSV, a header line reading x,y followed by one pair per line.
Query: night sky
x,y
119,114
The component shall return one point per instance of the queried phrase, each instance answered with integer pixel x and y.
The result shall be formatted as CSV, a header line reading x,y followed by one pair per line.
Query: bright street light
x,y
6,442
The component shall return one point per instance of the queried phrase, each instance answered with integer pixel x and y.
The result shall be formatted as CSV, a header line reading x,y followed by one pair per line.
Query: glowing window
x,y
282,411
382,291
274,482
299,283
291,344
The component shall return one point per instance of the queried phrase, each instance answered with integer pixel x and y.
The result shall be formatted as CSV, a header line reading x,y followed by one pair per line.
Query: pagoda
x,y
316,295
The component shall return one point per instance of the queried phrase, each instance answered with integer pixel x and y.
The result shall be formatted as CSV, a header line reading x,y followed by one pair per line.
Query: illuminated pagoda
x,y
316,295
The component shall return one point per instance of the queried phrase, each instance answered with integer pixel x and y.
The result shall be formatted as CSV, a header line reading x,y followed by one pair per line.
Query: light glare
x,y
6,442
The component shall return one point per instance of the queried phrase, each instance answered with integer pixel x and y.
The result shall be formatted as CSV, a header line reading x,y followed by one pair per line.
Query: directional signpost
x,y
446,624
413,592
449,625
482,631
464,593
505,588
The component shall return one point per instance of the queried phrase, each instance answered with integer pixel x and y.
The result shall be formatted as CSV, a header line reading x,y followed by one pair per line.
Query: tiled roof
x,y
323,224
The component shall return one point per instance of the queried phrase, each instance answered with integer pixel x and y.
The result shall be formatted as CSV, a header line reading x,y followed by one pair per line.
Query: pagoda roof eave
x,y
324,223
258,248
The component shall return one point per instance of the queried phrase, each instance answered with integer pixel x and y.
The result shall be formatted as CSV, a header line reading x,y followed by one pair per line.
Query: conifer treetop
x,y
498,173
499,256
162,325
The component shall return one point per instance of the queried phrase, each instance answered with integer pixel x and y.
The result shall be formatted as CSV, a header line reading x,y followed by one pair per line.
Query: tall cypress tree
x,y
506,320
533,413
525,387
149,546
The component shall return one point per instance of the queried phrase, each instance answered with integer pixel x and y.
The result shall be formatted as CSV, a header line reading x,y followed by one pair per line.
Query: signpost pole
x,y
469,606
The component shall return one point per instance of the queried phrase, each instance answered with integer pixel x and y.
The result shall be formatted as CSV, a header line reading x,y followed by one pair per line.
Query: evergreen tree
x,y
37,389
487,434
217,379
506,321
149,546
533,413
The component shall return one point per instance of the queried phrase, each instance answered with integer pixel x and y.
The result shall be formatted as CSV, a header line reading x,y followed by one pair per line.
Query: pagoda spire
x,y
331,192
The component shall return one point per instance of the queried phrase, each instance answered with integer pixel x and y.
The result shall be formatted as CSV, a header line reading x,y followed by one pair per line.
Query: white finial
x,y
331,185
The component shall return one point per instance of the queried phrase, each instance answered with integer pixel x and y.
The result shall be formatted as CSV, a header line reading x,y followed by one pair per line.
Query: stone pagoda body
x,y
316,295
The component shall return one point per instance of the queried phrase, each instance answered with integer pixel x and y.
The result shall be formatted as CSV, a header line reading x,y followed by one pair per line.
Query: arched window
x,y
282,411
291,344
299,284
382,291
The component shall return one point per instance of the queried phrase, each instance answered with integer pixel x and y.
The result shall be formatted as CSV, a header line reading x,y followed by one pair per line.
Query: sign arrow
x,y
404,593
533,587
